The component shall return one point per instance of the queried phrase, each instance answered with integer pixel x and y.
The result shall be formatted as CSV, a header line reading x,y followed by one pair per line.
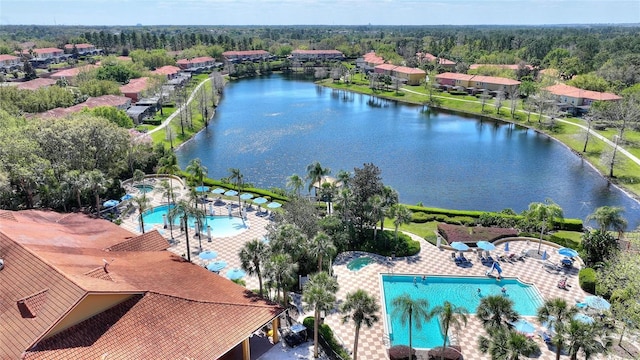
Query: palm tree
x,y
556,312
362,308
238,177
390,198
197,171
345,201
377,211
609,218
138,176
252,256
295,183
281,268
590,338
409,309
544,214
321,245
506,344
97,183
449,314
400,215
496,311
288,240
315,172
319,294
343,177
169,166
142,202
183,210
77,184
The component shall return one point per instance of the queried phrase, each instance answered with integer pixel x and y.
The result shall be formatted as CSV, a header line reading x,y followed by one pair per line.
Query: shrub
x,y
401,352
587,280
419,217
327,334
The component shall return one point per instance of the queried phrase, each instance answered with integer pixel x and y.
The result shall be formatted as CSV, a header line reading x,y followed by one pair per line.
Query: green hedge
x,y
327,334
587,280
270,195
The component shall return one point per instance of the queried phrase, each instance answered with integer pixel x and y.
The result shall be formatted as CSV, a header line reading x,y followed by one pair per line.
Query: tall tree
x,y
315,172
410,310
361,308
253,255
556,312
197,171
496,311
183,210
590,339
544,215
321,246
238,178
506,344
400,215
142,202
295,183
281,268
97,183
320,295
449,315
609,218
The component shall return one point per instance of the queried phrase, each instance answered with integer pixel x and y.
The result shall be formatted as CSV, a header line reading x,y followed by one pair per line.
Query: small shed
x,y
139,113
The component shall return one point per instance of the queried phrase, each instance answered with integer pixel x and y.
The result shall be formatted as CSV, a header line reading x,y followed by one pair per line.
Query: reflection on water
x,y
271,128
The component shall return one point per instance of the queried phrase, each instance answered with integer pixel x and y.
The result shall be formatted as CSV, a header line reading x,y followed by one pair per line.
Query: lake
x,y
272,127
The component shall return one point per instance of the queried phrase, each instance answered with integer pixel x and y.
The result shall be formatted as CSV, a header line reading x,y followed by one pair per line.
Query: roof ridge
x,y
257,297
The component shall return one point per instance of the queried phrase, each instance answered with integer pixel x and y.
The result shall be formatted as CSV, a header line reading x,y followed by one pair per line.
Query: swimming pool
x,y
221,226
144,188
359,263
460,291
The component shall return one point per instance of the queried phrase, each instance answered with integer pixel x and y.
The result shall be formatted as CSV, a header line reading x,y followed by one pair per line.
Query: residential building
x,y
575,100
513,67
369,61
83,49
198,64
9,63
35,84
315,55
134,88
249,55
477,83
48,55
120,102
74,287
71,74
444,63
410,76
169,71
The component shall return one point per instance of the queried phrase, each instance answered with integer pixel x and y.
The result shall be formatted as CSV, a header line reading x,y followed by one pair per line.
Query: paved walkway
x,y
430,261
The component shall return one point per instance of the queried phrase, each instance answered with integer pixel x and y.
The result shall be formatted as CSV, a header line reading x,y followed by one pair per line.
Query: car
x,y
295,335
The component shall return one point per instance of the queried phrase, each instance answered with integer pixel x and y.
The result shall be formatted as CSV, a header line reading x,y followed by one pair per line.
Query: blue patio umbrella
x,y
202,188
216,265
485,245
231,193
246,196
218,191
235,274
506,247
274,205
111,203
548,325
208,255
584,318
459,246
597,303
567,252
260,200
126,197
523,326
545,256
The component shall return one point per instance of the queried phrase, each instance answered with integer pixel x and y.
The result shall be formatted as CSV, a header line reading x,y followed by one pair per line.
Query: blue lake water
x,y
273,127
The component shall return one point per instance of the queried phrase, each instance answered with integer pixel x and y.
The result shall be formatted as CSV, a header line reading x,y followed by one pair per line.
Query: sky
x,y
318,12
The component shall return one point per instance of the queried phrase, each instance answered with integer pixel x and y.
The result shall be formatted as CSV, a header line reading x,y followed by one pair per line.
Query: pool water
x,y
144,188
359,263
221,226
460,291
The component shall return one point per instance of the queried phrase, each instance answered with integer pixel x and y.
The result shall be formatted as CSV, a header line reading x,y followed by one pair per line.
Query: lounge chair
x,y
551,267
562,284
545,337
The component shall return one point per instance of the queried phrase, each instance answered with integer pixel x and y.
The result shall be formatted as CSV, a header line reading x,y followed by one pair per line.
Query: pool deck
x,y
430,261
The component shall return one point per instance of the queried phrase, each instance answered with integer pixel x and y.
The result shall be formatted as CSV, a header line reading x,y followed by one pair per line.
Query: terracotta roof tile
x,y
316,52
400,69
245,53
480,78
431,57
35,84
99,273
47,50
32,304
566,90
4,57
500,66
7,215
150,241
78,46
73,72
167,70
134,86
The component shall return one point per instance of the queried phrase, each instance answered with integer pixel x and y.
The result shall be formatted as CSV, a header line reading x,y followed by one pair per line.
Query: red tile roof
x,y
400,69
73,72
198,60
500,66
316,52
167,70
574,92
431,57
372,58
479,78
35,84
175,309
134,86
151,241
78,46
4,57
104,100
46,50
245,53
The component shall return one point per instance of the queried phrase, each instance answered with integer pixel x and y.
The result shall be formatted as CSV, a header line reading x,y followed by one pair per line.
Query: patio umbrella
x,y
597,303
218,191
567,252
246,196
506,247
485,245
126,197
274,205
548,325
216,265
545,256
523,326
584,318
111,203
202,188
235,274
459,246
231,193
208,255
